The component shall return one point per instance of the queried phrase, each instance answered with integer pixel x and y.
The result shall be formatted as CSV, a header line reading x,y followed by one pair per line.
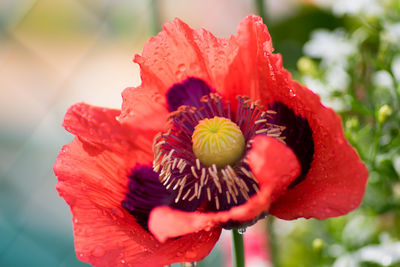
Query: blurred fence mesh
x,y
53,54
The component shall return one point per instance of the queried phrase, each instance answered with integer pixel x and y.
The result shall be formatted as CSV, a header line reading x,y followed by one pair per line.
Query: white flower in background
x,y
396,67
391,33
325,92
352,7
387,253
359,230
316,86
382,78
346,260
334,49
337,78
383,254
396,164
331,46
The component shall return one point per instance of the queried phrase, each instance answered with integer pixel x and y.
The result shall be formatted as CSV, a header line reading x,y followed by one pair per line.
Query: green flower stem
x,y
155,16
375,146
396,87
237,249
273,246
261,9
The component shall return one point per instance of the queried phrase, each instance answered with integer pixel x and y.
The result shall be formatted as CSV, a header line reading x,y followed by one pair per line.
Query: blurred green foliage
x,y
366,93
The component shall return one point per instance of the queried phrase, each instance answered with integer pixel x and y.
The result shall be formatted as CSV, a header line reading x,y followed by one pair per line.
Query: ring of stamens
x,y
186,176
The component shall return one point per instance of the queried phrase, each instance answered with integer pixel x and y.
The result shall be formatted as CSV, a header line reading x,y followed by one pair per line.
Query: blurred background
x,y
56,53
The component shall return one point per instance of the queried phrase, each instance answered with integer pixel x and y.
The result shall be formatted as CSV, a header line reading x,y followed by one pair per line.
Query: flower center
x,y
200,158
218,141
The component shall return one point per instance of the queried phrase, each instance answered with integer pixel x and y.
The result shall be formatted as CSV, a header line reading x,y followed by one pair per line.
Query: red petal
x,y
178,52
144,112
93,182
94,124
336,181
231,66
143,116
248,68
100,127
274,165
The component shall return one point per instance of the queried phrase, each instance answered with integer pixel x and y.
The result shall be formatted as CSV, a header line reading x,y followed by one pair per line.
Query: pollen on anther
x,y
187,194
228,197
216,202
255,187
194,172
198,164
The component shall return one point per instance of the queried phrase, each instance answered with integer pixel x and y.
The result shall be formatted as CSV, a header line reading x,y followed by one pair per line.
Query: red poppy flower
x,y
218,135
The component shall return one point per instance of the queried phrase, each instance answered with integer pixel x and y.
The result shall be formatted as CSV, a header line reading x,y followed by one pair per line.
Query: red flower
x,y
135,206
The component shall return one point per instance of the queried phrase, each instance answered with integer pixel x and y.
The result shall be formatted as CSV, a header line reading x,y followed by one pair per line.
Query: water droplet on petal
x,y
339,141
98,252
181,67
242,231
92,131
157,98
180,73
191,254
195,67
117,212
